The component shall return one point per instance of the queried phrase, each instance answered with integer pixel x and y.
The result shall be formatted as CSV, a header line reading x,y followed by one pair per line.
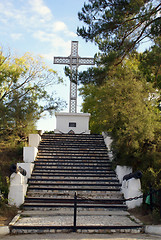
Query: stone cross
x,y
74,61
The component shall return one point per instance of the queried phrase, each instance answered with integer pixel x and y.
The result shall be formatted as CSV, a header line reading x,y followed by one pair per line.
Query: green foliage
x,y
4,188
123,92
10,153
125,107
119,26
23,95
151,177
150,64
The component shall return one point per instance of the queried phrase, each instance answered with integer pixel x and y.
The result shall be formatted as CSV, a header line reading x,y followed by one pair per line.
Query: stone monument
x,y
73,122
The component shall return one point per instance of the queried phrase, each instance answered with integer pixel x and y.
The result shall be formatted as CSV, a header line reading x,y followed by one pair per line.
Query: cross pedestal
x,y
77,123
73,121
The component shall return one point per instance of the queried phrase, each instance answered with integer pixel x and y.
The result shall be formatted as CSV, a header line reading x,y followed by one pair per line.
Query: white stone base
x,y
131,189
76,122
17,189
121,171
153,229
34,140
28,167
29,154
4,230
108,140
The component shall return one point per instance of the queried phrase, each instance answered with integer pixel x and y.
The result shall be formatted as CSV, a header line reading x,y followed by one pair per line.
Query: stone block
x,y
77,122
17,194
29,154
153,229
132,189
108,140
17,178
34,140
121,171
4,230
28,167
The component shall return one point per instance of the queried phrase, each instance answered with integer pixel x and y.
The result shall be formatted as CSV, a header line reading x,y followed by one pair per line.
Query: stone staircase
x,y
67,164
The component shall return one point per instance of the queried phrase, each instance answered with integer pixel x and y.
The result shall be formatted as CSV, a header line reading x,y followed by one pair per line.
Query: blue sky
x,y
46,28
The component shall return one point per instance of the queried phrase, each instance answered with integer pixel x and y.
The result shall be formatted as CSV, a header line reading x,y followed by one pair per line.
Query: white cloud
x,y
34,20
40,8
16,36
53,39
34,14
70,34
59,26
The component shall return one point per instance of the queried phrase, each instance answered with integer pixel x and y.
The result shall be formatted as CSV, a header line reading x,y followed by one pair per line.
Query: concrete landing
x,y
60,221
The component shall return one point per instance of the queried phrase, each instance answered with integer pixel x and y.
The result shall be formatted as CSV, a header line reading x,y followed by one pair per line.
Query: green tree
x,y
150,63
125,106
119,26
23,95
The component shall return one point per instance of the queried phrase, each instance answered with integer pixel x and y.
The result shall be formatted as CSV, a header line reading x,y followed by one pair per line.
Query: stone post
x,y
17,190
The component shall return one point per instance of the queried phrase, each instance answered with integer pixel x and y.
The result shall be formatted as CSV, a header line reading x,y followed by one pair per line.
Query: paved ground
x,y
75,236
91,218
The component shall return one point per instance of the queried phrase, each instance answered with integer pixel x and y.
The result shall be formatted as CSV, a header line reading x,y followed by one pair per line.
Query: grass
x,y
7,213
147,217
9,154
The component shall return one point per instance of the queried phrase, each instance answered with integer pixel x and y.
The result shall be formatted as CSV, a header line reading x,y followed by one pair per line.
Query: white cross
x,y
74,61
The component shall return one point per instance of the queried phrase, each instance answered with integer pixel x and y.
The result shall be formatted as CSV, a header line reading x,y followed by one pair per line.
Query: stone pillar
x,y
34,140
28,167
108,141
29,154
17,189
121,171
132,188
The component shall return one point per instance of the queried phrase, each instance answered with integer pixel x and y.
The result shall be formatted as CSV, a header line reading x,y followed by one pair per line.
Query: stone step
x,y
75,147
68,163
71,149
71,200
72,157
61,220
66,177
59,164
76,153
76,162
72,181
69,212
72,170
85,142
78,188
80,194
72,137
49,206
73,185
73,174
73,142
72,166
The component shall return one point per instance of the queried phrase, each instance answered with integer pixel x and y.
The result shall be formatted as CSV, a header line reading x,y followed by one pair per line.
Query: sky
x,y
46,28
